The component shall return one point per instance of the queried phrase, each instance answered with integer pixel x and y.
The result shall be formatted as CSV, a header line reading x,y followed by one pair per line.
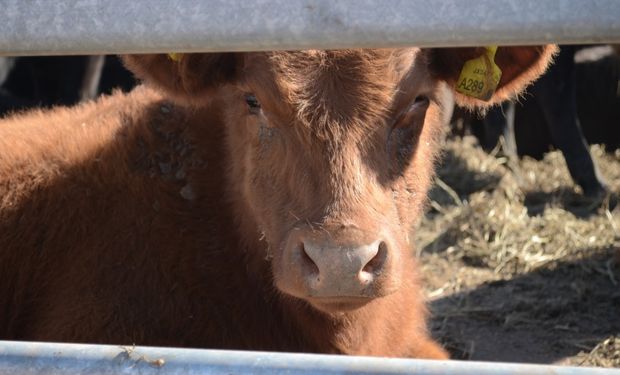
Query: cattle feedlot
x,y
313,187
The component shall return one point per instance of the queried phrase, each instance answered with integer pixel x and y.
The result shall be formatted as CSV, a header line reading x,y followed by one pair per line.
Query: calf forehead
x,y
333,91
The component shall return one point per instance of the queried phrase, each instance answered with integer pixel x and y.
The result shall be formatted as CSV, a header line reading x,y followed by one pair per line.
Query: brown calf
x,y
257,201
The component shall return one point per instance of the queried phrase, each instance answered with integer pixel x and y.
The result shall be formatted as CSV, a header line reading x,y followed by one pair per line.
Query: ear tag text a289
x,y
480,76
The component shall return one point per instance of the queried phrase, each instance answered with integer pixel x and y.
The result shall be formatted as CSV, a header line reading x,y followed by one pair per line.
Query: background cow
x,y
45,81
256,201
575,103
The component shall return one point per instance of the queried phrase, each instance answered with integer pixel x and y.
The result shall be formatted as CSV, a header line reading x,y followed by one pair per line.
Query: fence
x,y
38,27
59,359
42,27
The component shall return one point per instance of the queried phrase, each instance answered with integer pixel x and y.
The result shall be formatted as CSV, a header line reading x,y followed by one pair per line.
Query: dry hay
x,y
514,218
492,219
604,354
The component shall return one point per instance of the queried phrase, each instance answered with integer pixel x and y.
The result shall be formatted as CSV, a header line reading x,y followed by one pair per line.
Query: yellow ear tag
x,y
480,76
176,57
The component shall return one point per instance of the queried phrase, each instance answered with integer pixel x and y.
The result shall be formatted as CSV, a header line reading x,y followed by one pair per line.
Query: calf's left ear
x,y
188,77
465,69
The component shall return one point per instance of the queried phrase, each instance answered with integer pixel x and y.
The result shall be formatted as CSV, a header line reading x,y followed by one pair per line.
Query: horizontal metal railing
x,y
39,27
17,358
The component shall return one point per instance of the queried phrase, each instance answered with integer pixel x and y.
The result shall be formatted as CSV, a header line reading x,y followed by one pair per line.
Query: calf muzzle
x,y
342,269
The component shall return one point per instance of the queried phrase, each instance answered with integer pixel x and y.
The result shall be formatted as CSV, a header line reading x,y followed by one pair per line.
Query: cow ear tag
x,y
480,76
176,57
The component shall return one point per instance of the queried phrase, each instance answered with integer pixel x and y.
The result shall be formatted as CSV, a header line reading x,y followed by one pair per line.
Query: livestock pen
x,y
98,27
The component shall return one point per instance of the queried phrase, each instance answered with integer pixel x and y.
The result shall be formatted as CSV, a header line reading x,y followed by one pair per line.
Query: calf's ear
x,y
519,66
187,77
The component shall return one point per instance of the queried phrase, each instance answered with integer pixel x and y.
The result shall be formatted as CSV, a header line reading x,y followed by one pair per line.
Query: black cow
x,y
572,105
45,81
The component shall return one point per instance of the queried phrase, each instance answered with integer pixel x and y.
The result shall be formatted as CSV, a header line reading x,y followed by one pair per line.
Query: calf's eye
x,y
253,103
405,133
414,115
421,101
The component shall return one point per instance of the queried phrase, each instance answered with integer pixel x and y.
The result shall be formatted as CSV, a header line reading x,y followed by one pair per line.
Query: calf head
x,y
332,152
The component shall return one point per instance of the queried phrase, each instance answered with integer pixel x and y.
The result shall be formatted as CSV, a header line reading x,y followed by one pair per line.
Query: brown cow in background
x,y
257,201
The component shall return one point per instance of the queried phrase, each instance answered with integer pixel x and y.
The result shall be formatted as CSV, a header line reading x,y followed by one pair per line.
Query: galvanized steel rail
x,y
25,358
39,27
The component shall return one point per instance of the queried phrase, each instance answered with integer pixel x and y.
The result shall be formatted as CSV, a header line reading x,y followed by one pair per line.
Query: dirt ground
x,y
517,266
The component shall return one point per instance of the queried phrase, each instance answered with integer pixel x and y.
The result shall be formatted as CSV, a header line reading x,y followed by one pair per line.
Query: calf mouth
x,y
332,305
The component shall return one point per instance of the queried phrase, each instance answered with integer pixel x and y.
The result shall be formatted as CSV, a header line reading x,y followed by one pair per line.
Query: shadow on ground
x,y
462,179
539,317
567,198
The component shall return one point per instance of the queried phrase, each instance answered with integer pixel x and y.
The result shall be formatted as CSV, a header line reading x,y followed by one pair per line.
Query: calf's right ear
x,y
517,67
187,77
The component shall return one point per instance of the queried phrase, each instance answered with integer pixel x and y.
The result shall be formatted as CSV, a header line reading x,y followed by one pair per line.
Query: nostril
x,y
309,266
375,265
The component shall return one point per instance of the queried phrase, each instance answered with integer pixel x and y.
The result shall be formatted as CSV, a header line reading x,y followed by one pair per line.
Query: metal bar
x,y
92,77
37,27
26,358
